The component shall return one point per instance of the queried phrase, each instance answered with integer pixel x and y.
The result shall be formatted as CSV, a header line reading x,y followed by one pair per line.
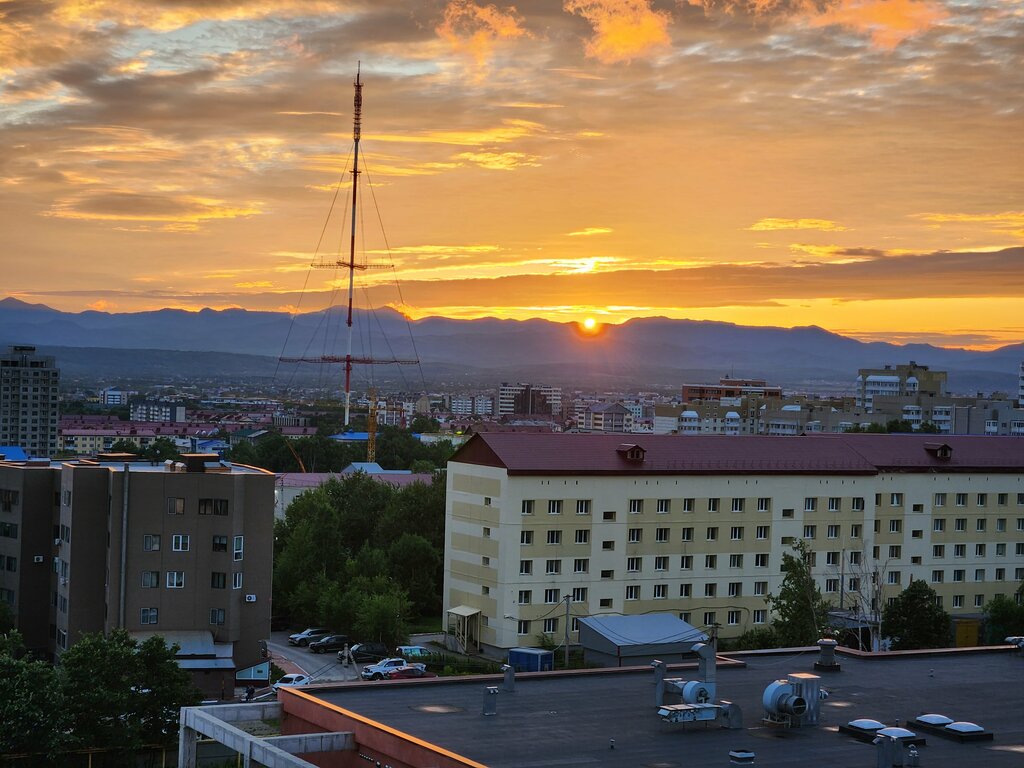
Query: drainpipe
x,y
124,548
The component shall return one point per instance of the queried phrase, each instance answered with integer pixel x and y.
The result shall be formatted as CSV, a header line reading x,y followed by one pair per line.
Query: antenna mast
x,y
351,266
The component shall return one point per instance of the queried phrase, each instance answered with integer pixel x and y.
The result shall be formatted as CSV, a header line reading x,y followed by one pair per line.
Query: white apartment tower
x,y
29,400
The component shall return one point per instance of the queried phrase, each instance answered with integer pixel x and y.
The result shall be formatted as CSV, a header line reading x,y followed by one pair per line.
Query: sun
x,y
589,324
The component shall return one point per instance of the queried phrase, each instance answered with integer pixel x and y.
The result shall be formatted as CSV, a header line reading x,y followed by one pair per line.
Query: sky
x,y
852,164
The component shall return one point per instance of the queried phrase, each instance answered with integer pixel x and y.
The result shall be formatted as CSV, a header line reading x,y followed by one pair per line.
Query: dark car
x,y
408,671
363,652
329,643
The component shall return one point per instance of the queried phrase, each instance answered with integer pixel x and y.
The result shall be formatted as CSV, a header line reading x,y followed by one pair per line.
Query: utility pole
x,y
568,600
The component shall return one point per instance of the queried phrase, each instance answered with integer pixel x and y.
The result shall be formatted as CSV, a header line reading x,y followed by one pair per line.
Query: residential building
x,y
29,400
698,525
607,417
1020,387
901,380
528,399
114,396
157,410
472,405
729,387
183,549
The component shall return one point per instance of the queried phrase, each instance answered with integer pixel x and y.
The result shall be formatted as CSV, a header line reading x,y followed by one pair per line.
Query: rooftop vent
x,y
631,452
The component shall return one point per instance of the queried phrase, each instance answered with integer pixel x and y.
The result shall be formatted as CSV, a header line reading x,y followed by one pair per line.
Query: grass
x,y
425,624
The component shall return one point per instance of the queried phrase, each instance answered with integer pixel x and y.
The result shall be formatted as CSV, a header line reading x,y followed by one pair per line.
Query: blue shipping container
x,y
531,659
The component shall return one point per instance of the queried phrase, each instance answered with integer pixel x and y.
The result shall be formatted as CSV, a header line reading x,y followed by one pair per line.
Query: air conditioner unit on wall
x,y
38,559
250,598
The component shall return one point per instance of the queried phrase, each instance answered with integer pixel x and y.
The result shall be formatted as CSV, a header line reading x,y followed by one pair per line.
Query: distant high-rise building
x,y
1020,387
912,379
528,399
29,400
157,410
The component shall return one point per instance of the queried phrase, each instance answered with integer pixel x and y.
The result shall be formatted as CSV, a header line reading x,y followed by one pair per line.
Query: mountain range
x,y
646,354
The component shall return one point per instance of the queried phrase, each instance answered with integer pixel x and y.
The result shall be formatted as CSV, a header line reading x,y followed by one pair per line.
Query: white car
x,y
380,670
413,651
292,681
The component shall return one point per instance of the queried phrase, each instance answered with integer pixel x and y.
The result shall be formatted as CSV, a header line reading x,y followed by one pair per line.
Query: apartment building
x,y
157,410
528,399
899,380
180,549
606,417
29,400
729,387
698,526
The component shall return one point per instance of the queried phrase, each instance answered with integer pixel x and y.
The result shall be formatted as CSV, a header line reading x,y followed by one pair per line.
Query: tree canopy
x,y
1004,617
915,620
800,613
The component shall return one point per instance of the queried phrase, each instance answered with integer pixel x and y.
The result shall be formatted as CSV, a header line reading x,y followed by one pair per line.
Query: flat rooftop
x,y
568,720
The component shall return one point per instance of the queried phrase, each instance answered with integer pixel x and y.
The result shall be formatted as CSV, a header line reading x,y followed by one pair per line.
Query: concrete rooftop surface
x,y
567,721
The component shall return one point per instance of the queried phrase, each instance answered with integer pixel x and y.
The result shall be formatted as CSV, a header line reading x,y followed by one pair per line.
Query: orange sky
x,y
855,164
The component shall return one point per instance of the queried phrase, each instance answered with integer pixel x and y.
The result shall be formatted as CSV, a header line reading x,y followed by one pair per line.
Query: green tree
x,y
32,714
163,688
416,567
914,620
6,618
1004,617
125,446
161,449
800,613
423,423
422,467
384,617
243,453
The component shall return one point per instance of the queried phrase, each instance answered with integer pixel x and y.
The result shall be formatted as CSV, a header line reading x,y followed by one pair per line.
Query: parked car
x,y
409,671
364,652
291,681
379,670
306,636
329,643
413,651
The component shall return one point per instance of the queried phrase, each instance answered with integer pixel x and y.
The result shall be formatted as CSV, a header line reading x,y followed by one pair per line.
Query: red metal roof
x,y
860,454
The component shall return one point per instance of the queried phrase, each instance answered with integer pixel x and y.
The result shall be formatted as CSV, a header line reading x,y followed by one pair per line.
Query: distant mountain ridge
x,y
645,353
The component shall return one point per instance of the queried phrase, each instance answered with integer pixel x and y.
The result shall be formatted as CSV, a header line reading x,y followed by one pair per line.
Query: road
x,y
323,667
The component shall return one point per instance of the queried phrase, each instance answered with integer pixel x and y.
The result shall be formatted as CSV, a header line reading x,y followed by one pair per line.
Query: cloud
x,y
1007,221
500,161
772,225
181,213
887,22
509,130
475,30
586,232
623,29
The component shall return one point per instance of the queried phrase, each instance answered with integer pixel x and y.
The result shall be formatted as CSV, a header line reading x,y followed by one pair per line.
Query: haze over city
x,y
854,164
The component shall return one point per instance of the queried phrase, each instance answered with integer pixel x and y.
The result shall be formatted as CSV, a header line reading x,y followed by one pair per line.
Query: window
x,y
810,504
831,558
236,580
937,576
855,530
737,505
982,499
894,551
894,526
895,499
855,558
939,524
175,506
1000,550
687,534
636,506
175,579
1020,523
635,535
713,505
554,537
834,503
1000,525
958,601
831,585
605,602
525,596
736,533
853,584
216,615
220,543
218,580
664,506
761,560
526,538
685,590
939,500
550,626
525,567
553,567
583,506
555,507
552,596
579,594
150,579
239,546
582,536
959,574
979,550
878,499
661,563
764,504
148,616
960,524
217,507
688,505
709,618
710,589
857,503
980,524
151,542
833,531
608,546
523,627
961,499
787,512
581,565
917,533
733,617
760,616
979,601
710,561
660,591
633,592
893,577
810,531
736,561
633,564
179,542
661,535
686,562
712,533
762,532
735,589
527,507
959,550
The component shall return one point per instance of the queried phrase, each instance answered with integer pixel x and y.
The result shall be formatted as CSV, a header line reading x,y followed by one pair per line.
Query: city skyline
x,y
853,164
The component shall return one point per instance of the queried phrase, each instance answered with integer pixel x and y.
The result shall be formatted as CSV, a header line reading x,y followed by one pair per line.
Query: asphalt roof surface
x,y
568,721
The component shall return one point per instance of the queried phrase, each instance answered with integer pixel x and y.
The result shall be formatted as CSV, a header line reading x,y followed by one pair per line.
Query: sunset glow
x,y
852,164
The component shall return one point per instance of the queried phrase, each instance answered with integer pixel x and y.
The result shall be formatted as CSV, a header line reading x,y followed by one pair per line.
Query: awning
x,y
464,610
